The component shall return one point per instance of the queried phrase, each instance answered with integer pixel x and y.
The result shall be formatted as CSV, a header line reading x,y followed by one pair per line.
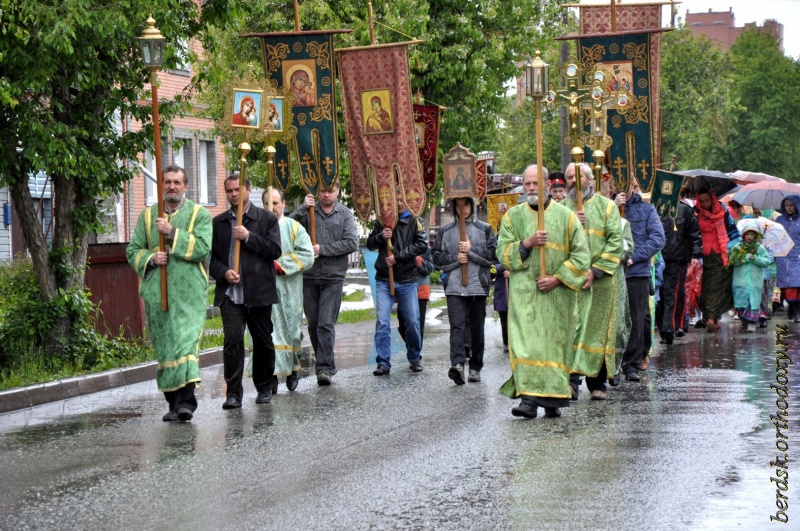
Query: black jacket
x,y
409,241
256,259
682,235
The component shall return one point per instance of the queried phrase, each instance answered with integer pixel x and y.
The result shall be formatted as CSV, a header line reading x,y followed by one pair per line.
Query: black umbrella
x,y
718,182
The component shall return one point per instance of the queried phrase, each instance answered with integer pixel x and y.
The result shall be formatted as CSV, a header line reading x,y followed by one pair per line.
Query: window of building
x,y
206,172
182,50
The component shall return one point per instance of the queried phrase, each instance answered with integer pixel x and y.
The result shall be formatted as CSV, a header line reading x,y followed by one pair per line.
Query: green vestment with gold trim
x,y
176,333
597,305
542,326
298,256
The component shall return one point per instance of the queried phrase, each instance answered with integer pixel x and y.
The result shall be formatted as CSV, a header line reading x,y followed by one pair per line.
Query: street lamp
x,y
536,74
152,45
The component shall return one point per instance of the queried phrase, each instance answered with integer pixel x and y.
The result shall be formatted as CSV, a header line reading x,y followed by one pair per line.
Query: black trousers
x,y
259,321
401,322
672,304
504,325
466,313
640,339
182,398
597,383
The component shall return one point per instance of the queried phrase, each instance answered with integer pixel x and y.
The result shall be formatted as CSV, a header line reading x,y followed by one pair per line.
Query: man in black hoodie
x,y
683,244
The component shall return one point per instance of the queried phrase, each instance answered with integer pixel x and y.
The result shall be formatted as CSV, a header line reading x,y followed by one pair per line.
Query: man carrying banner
x,y
337,237
542,312
408,241
466,303
245,296
175,333
287,317
595,354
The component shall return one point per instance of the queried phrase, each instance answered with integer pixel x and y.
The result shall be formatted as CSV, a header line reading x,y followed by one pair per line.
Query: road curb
x,y
38,394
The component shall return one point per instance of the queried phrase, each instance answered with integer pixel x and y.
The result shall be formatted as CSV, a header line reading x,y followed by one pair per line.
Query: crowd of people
x,y
579,297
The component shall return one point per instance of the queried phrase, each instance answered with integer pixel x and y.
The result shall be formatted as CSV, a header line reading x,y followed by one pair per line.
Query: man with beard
x,y
246,296
175,333
595,353
542,311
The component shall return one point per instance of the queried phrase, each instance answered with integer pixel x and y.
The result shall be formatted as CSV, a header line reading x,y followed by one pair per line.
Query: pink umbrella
x,y
766,194
750,177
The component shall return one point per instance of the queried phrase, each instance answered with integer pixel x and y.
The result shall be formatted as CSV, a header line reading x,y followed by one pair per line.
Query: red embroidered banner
x,y
480,178
426,134
379,126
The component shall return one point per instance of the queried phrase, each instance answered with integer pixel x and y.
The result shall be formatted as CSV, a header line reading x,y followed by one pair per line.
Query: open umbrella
x,y
718,182
766,194
750,177
776,239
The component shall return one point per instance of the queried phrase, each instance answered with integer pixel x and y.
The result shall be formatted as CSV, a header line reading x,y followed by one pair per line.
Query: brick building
x,y
720,27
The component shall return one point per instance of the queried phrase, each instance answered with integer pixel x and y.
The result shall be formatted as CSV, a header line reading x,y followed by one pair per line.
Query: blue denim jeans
x,y
406,294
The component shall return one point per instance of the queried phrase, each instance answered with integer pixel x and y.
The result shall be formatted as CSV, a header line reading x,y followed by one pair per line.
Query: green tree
x,y
518,137
695,99
764,99
67,68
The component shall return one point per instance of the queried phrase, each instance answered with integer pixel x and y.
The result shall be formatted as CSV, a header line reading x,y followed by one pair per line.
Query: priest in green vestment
x,y
595,344
297,256
542,312
175,333
624,323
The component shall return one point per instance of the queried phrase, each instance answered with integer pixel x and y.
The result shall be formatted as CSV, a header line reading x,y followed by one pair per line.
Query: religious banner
x,y
480,179
460,173
633,18
496,207
426,133
380,132
626,62
301,63
667,193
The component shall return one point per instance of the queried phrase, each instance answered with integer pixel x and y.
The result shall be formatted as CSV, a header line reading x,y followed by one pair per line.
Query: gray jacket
x,y
337,237
481,256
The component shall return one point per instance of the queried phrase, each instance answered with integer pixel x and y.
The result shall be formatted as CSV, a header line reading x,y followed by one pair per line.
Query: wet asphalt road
x,y
687,448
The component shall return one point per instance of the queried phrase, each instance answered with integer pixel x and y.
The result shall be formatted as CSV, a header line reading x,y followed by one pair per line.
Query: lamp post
x,y
536,74
152,45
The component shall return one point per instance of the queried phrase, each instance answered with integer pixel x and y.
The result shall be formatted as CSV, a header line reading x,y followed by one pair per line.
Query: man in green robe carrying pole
x,y
540,353
175,333
594,347
297,255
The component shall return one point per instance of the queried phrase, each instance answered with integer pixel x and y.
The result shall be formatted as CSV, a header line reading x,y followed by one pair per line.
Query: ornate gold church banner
x,y
379,126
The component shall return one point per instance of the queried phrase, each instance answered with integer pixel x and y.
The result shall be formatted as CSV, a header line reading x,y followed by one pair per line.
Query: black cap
x,y
557,179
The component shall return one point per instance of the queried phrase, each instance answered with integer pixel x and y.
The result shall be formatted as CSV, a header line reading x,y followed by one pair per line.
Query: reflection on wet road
x,y
688,447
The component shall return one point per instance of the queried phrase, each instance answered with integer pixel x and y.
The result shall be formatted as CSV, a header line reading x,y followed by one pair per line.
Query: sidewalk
x,y
38,394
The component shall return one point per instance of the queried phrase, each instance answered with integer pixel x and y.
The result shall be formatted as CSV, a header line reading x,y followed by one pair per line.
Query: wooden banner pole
x,y
244,149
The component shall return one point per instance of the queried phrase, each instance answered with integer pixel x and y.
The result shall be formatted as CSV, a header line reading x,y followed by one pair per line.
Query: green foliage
x,y
695,98
436,276
25,322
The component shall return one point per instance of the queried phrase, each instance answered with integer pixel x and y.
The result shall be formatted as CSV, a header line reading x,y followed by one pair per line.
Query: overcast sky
x,y
787,12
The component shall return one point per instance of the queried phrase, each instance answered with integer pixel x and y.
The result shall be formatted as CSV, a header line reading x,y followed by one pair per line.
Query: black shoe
x,y
700,324
615,381
382,370
669,337
762,322
632,376
416,366
184,414
679,333
552,412
274,385
323,378
232,403
170,416
291,381
263,398
524,409
456,373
